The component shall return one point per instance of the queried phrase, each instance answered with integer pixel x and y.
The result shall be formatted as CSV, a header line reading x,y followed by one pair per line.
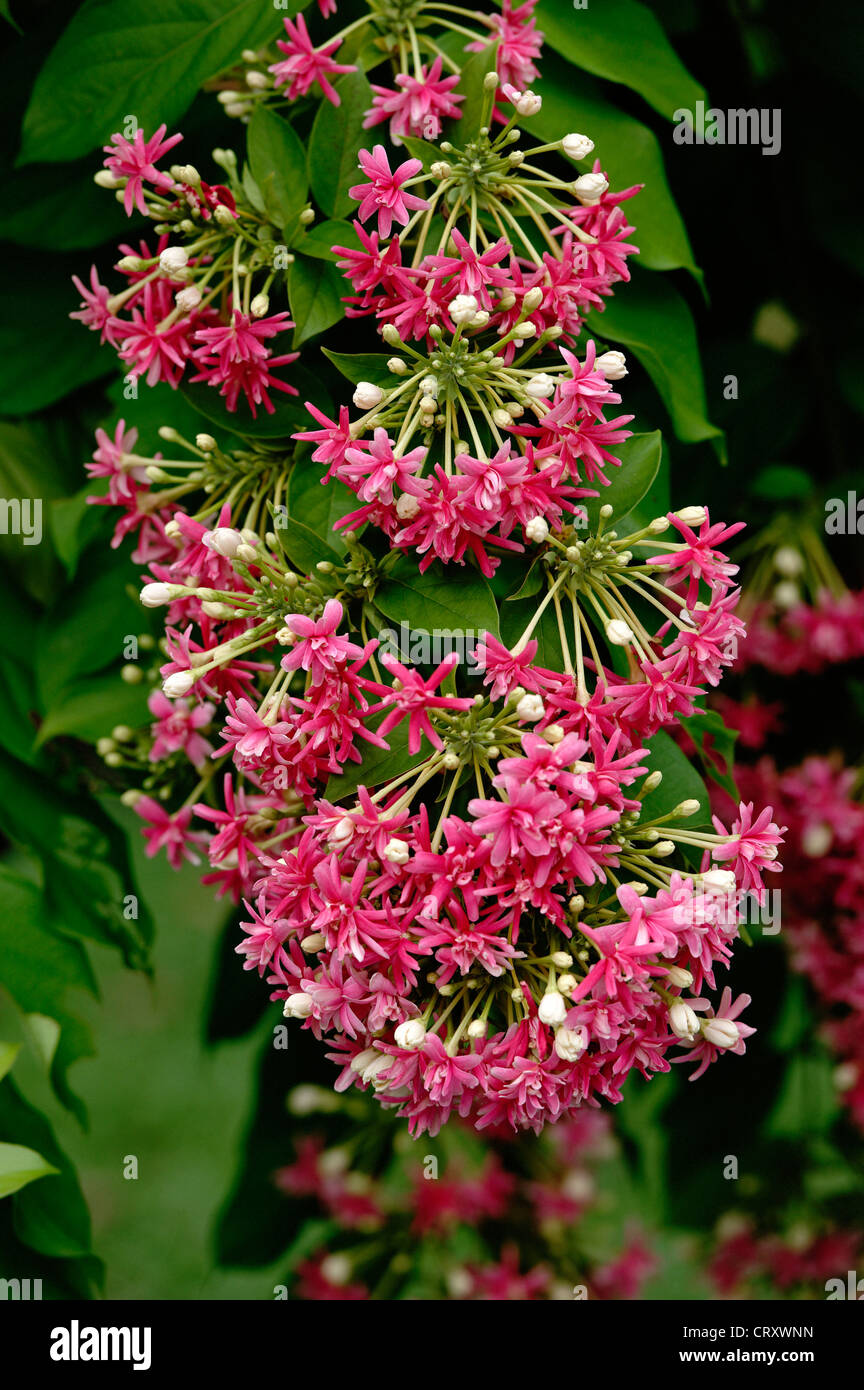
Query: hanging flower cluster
x,y
196,305
458,881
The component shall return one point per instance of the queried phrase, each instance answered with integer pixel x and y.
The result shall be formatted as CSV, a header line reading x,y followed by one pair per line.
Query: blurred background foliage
x,y
757,256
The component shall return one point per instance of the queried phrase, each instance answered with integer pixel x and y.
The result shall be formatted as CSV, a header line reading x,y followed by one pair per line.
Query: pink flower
x,y
168,831
135,160
306,64
385,193
373,470
94,312
320,651
753,847
176,728
235,358
414,698
418,107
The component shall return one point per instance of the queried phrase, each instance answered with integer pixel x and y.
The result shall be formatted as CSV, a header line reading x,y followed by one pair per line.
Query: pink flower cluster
x,y
178,315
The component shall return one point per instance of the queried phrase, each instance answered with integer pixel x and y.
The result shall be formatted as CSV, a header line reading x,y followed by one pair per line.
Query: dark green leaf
x,y
622,41
435,601
363,366
315,290
141,57
335,143
630,154
278,163
640,457
651,318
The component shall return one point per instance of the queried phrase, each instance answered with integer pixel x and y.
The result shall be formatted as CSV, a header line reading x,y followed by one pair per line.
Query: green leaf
x,y
622,41
321,237
289,412
681,782
147,57
470,86
303,546
335,143
320,504
87,873
38,968
51,1217
58,208
87,627
18,1166
315,290
808,1103
363,366
640,457
37,299
651,318
278,163
716,746
378,765
8,1053
89,709
630,154
435,601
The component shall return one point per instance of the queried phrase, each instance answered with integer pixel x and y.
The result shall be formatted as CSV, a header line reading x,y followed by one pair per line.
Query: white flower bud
x,y
786,594
718,881
397,366
612,364
257,80
567,984
407,507
313,942
396,851
530,708
463,308
683,1021
362,1060
618,632
106,180
817,840
259,306
155,595
561,959
788,561
206,443
679,976
570,1043
720,1032
478,1028
691,516
188,299
577,146
297,1006
411,1035
553,733
172,259
540,386
589,188
527,103
537,529
225,541
177,684
553,1008
367,395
